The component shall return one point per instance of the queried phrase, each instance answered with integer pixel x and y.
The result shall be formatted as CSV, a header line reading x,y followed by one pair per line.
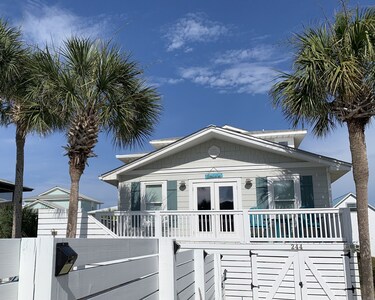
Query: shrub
x,y
29,222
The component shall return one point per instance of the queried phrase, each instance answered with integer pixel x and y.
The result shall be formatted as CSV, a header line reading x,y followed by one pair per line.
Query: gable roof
x,y
337,201
47,196
212,131
45,203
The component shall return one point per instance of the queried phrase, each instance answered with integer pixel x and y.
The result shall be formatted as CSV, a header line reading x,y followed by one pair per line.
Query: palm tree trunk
x,y
361,174
18,188
75,175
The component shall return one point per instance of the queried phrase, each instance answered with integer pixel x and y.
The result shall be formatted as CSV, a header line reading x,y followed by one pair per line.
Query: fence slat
x,y
83,283
100,250
9,257
141,289
9,291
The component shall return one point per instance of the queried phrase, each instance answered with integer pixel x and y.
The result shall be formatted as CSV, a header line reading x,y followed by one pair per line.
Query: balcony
x,y
245,226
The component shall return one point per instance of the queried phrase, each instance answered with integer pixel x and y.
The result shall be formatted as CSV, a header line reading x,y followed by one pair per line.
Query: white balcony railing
x,y
309,225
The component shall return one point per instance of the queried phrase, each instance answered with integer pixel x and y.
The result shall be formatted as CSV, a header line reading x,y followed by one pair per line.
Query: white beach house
x,y
257,205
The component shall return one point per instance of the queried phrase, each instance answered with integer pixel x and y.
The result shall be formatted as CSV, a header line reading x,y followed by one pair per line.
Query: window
x,y
153,195
352,206
284,192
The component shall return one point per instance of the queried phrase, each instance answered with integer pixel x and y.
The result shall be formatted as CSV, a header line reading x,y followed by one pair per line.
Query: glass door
x,y
212,200
204,195
225,195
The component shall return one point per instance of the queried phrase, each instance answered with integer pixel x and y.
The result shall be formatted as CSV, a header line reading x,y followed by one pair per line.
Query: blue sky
x,y
213,62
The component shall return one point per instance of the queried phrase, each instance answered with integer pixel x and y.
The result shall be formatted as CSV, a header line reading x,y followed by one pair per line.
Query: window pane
x,y
226,197
204,198
153,206
283,189
153,197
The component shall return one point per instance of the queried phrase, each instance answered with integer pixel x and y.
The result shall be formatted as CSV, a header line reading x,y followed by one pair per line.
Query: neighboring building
x,y
226,168
349,200
6,191
58,198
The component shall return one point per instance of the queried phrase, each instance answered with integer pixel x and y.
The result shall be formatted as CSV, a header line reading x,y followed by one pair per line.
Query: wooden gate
x,y
296,274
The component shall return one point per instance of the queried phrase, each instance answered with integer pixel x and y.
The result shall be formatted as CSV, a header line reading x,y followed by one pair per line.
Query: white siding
x,y
230,155
87,226
234,161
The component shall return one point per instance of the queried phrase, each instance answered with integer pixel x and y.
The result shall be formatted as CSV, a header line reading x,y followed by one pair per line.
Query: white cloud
x,y
241,78
249,71
159,81
192,29
258,53
43,24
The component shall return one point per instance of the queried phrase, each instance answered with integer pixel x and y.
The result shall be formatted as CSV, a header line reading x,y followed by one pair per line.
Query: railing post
x,y
346,224
246,226
200,291
167,269
158,225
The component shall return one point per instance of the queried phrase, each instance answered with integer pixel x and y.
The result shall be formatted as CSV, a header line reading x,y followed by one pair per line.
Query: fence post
x,y
246,226
167,269
27,268
218,276
199,271
346,224
45,281
158,225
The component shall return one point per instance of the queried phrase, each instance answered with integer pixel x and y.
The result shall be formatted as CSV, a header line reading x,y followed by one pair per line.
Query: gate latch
x,y
253,286
350,289
301,284
223,278
347,254
225,274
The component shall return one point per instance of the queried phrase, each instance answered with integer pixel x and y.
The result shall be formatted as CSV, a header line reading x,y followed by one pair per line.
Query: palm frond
x,y
332,70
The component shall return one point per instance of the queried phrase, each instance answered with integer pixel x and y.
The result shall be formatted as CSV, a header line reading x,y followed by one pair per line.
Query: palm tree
x,y
102,90
333,83
18,106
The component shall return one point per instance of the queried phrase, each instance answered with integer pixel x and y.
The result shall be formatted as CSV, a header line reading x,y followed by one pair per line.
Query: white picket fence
x,y
105,269
283,225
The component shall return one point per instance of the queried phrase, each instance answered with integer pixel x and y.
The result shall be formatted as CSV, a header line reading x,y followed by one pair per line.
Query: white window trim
x,y
297,189
164,193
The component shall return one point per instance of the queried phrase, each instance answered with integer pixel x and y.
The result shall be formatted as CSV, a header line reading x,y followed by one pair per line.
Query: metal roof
x,y
8,186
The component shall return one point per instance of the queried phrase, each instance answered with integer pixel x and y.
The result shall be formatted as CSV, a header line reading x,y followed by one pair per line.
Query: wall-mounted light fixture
x,y
248,183
65,259
182,185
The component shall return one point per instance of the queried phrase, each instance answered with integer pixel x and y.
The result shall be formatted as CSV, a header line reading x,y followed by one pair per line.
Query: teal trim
x,y
262,192
307,192
135,196
172,195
